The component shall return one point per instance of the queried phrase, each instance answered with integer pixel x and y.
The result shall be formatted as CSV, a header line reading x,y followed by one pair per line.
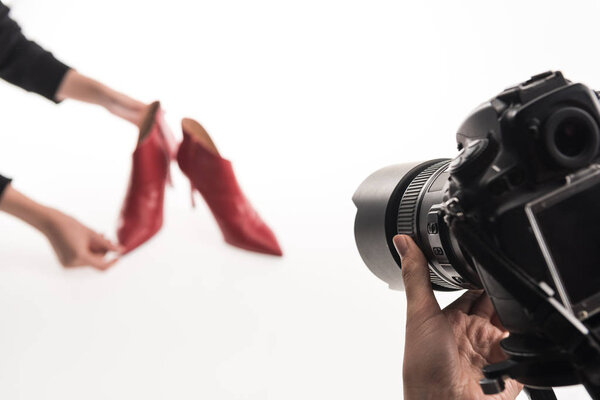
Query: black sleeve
x,y
24,63
4,182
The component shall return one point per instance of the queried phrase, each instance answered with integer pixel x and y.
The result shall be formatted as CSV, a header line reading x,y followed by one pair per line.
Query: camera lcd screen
x,y
570,225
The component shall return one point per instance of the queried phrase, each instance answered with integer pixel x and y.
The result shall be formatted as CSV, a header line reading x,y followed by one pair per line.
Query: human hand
x,y
125,107
77,245
446,349
77,86
73,243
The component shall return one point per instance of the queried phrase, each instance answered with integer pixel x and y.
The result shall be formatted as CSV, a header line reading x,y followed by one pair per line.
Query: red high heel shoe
x,y
213,177
142,212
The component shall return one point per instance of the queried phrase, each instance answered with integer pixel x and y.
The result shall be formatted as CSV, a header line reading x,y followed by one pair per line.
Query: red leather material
x,y
142,211
214,178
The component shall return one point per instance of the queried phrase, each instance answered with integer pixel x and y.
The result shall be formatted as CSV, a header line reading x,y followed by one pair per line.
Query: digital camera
x,y
517,213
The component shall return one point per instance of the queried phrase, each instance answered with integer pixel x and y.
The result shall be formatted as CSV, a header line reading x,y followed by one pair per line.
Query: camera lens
x,y
572,137
405,199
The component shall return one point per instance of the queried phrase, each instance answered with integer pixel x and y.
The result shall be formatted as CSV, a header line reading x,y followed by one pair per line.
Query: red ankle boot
x,y
213,177
142,211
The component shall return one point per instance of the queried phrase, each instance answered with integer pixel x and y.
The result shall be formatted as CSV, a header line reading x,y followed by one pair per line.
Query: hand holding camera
x,y
514,213
445,350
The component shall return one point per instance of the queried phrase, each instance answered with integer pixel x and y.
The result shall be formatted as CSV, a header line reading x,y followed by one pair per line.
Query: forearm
x,y
80,87
20,206
74,243
76,86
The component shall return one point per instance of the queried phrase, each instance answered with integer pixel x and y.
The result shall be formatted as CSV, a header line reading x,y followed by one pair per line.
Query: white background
x,y
307,98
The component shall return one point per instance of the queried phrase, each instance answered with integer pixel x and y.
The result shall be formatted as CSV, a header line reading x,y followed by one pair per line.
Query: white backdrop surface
x,y
307,98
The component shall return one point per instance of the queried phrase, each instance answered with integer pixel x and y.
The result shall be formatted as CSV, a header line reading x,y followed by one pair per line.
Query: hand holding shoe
x,y
73,243
77,245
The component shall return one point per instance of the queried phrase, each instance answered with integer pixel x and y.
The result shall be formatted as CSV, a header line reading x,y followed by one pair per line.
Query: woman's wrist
x,y
79,87
45,220
20,206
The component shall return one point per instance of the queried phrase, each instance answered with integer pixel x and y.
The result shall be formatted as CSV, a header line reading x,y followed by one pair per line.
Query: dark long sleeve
x,y
24,63
4,182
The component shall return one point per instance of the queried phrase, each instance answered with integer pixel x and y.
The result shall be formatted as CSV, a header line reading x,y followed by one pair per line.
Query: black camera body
x,y
515,149
517,213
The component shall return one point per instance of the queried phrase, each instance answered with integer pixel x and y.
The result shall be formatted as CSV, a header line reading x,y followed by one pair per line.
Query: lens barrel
x,y
406,199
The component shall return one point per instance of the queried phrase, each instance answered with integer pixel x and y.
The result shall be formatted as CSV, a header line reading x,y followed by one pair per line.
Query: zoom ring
x,y
407,211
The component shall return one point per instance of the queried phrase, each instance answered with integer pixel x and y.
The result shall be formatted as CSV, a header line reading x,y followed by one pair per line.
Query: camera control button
x,y
475,149
433,228
456,163
472,160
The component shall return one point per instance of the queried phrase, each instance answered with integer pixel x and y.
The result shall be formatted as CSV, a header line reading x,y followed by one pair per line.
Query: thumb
x,y
415,273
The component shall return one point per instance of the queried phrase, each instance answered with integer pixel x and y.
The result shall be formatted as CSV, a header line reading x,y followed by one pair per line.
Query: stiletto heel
x,y
142,212
169,179
213,177
192,195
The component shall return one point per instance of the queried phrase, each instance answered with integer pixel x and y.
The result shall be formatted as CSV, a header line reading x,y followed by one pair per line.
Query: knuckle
x,y
408,273
412,269
456,317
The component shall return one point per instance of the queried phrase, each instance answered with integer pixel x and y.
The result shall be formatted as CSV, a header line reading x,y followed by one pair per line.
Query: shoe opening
x,y
198,134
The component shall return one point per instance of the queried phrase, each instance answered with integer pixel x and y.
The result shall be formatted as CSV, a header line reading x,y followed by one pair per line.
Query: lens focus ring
x,y
407,211
407,214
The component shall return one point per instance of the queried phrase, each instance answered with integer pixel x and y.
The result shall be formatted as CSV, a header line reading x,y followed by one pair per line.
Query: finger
x,y
99,262
483,307
415,274
133,116
100,244
496,353
135,105
466,301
